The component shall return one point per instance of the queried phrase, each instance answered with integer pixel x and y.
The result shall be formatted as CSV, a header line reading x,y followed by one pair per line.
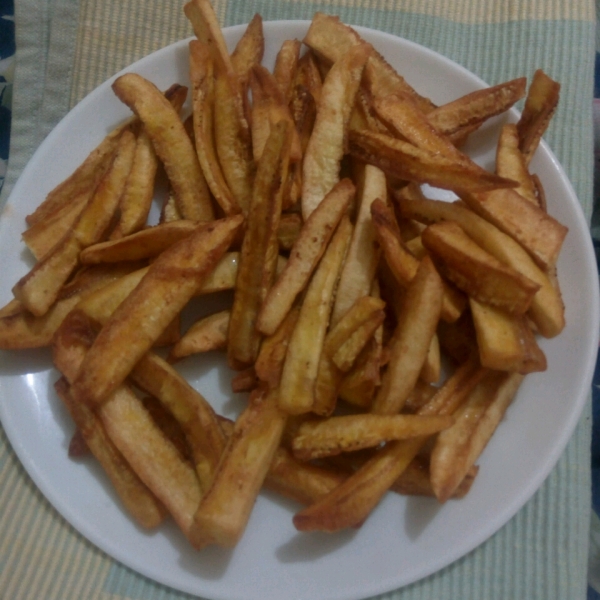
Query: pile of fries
x,y
380,335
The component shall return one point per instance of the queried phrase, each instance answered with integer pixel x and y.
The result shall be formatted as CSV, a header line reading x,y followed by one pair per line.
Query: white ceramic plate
x,y
404,539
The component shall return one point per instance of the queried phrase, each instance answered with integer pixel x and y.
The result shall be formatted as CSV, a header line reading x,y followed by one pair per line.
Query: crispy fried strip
x,y
146,243
540,104
206,334
201,77
326,146
457,449
250,49
328,437
39,289
171,143
304,350
547,309
415,329
258,257
304,256
471,110
222,515
402,160
139,501
138,321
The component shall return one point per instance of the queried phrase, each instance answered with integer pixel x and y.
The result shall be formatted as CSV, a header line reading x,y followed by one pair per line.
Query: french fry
x,y
289,229
402,160
302,359
171,143
269,106
273,349
140,245
304,256
286,67
403,264
170,282
506,342
84,180
232,136
510,163
206,334
139,190
39,289
131,429
244,381
44,234
202,80
206,27
328,437
321,164
19,329
477,272
458,448
540,104
530,225
330,39
222,515
139,501
360,265
250,49
417,323
258,257
547,309
471,110
191,410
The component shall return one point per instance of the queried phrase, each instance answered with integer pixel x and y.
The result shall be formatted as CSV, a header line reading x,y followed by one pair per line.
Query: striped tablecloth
x,y
65,48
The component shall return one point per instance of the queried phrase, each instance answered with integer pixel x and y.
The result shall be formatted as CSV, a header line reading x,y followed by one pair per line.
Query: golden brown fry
x,y
321,164
286,67
360,265
530,225
471,110
258,257
44,234
140,502
510,163
193,413
304,256
506,342
151,455
223,513
304,350
19,329
39,289
269,106
547,309
250,49
138,321
206,334
403,264
273,349
303,482
540,104
328,437
402,160
202,80
458,448
146,243
207,29
475,271
409,346
289,230
331,39
171,143
233,139
83,180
